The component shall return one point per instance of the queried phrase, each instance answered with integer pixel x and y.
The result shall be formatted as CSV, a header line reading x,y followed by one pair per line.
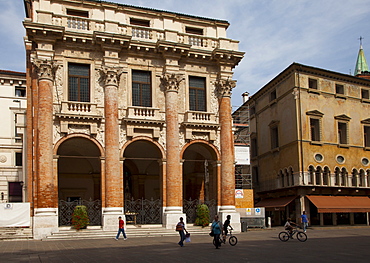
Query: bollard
x,y
268,222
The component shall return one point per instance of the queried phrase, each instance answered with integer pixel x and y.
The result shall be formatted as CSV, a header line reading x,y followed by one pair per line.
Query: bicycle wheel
x,y
284,236
301,236
233,240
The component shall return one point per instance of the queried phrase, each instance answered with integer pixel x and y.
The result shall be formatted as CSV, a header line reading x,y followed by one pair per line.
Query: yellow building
x,y
310,146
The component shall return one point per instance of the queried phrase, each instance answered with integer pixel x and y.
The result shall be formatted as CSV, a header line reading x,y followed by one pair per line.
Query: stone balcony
x,y
88,25
143,121
78,114
201,125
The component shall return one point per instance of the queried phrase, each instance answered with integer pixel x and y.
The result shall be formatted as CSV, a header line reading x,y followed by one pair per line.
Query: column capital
x,y
171,81
45,68
224,87
110,75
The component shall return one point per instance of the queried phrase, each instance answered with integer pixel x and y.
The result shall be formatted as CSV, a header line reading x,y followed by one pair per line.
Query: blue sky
x,y
273,33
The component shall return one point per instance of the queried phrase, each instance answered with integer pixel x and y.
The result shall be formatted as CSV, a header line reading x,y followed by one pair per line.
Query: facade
x,y
12,107
129,104
309,131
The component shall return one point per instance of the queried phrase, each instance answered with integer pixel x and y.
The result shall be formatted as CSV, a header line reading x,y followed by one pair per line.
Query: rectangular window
x,y
15,191
339,89
194,31
274,137
254,151
80,13
273,95
139,22
141,88
367,136
20,91
342,133
312,84
78,82
18,159
255,175
197,93
315,129
365,94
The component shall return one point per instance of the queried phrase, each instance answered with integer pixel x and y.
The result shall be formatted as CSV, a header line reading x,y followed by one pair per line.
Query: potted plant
x,y
80,219
202,215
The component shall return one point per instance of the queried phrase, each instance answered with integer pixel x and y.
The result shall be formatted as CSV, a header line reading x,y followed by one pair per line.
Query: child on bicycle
x,y
289,225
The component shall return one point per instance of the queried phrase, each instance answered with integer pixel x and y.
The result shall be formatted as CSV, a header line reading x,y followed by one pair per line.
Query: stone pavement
x,y
323,245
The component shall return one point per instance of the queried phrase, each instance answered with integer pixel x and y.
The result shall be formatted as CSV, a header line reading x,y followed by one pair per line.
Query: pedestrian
x,y
304,221
216,228
121,228
226,225
180,227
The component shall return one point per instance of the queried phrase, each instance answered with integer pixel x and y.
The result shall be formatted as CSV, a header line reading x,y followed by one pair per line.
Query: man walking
x,y
121,228
304,221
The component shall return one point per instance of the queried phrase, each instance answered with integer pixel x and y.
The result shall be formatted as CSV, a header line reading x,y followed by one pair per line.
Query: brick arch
x,y
215,150
143,138
78,135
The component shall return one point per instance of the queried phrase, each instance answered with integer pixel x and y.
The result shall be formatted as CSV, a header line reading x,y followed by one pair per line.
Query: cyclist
x,y
227,224
289,226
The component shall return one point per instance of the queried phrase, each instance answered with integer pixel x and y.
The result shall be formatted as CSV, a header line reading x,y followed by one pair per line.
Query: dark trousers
x,y
216,239
182,237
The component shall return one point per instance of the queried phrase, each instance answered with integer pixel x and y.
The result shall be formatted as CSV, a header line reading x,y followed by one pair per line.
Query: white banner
x,y
242,155
15,214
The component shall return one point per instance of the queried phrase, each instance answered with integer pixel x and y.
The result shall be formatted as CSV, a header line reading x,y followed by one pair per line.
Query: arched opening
x,y
79,179
199,178
143,181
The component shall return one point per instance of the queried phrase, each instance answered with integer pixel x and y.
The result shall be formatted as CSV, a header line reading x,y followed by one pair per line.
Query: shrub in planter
x,y
80,219
202,215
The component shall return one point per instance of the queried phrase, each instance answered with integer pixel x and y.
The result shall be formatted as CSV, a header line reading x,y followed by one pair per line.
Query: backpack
x,y
179,226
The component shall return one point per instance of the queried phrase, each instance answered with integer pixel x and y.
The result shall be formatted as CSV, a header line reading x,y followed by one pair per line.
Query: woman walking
x,y
216,228
180,227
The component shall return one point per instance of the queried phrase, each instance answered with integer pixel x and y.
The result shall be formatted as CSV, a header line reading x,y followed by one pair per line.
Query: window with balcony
x,y
20,91
315,129
141,88
342,133
367,136
77,19
78,82
197,93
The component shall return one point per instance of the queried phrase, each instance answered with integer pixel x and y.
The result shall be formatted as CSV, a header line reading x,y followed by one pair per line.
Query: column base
x,y
45,222
235,217
110,217
172,216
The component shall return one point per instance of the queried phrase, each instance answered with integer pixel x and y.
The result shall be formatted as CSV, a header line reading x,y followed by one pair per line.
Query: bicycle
x,y
285,235
233,240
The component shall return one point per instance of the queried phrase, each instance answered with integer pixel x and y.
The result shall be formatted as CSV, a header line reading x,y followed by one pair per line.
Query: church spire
x,y
361,64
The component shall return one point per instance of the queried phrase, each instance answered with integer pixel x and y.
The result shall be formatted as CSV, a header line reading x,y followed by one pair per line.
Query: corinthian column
x,y
46,199
113,176
173,209
223,89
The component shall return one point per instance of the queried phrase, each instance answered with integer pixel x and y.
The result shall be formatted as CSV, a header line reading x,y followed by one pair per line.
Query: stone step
x,y
15,233
131,231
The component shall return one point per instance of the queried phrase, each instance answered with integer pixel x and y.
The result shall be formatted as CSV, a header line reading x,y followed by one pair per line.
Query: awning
x,y
340,204
275,203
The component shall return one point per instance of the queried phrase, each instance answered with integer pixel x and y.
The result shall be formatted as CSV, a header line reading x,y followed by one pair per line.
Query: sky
x,y
272,33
